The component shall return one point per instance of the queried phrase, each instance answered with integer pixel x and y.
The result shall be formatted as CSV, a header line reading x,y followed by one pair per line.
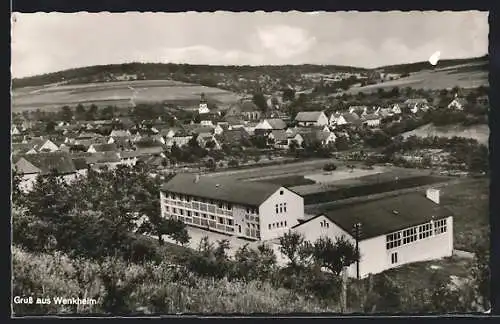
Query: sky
x,y
50,42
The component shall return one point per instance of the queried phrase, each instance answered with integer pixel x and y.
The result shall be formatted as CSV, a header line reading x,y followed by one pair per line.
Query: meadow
x,y
123,93
480,133
463,76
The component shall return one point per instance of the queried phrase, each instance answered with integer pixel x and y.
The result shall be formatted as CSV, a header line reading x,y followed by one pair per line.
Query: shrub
x,y
329,167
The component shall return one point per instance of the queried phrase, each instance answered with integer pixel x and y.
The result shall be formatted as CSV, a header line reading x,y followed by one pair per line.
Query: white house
x,y
271,124
218,130
396,109
371,120
207,122
396,230
417,104
14,130
30,166
457,103
250,210
311,118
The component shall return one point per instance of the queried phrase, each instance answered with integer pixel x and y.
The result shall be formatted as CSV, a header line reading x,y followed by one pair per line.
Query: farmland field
x,y
463,76
117,93
480,133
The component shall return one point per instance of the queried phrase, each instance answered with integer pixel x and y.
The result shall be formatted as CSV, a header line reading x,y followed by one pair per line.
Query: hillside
x,y
160,71
418,66
477,132
463,75
121,94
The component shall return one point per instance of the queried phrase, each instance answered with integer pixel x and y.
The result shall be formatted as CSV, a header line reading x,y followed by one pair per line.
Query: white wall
x,y
375,258
312,230
267,212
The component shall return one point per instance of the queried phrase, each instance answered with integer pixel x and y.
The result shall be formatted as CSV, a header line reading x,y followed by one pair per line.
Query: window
x,y
394,258
285,224
181,211
258,227
277,208
281,224
212,217
220,205
281,208
229,206
197,214
269,226
284,207
248,210
274,225
281,192
424,231
174,210
173,196
189,213
409,235
221,220
239,228
229,222
440,226
167,208
393,240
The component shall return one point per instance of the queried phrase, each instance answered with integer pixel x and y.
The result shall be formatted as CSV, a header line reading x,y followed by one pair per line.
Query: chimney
x,y
197,178
433,194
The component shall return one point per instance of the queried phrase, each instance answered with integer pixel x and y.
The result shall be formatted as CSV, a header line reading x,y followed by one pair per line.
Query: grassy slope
x,y
157,291
468,202
117,93
478,132
464,75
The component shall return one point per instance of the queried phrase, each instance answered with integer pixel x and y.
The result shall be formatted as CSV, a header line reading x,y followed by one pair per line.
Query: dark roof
x,y
386,215
103,157
276,123
80,163
244,193
147,143
105,147
46,162
308,116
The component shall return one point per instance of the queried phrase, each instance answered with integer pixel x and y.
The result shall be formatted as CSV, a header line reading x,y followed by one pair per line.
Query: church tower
x,y
203,108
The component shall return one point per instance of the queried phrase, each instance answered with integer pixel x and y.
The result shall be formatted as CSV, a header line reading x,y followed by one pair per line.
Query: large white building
x,y
249,210
393,230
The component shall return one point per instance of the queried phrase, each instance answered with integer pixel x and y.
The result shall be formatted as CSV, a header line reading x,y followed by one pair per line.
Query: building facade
x,y
247,210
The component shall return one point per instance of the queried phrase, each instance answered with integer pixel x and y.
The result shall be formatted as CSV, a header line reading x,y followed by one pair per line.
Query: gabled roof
x,y
386,215
105,147
279,135
46,162
276,123
308,116
416,101
351,118
103,157
459,100
239,192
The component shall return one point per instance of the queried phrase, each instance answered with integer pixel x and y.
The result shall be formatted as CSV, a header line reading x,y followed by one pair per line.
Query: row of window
x,y
277,225
252,218
413,234
187,198
189,213
281,208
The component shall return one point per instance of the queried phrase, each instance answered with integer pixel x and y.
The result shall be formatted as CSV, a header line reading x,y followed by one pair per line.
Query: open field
x,y
468,201
463,76
117,93
480,133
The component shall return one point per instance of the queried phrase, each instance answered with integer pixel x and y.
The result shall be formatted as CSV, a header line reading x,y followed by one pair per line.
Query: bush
x,y
233,163
329,167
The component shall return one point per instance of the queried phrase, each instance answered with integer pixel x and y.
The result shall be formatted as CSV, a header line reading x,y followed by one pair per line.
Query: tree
x,y
329,167
107,113
288,94
295,248
210,164
341,143
50,127
260,101
334,256
293,146
17,193
92,112
80,113
66,113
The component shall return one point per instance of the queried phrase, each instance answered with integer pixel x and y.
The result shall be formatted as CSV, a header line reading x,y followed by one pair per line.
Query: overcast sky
x,y
49,42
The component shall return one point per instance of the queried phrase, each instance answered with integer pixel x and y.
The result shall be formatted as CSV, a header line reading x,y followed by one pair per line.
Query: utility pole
x,y
357,234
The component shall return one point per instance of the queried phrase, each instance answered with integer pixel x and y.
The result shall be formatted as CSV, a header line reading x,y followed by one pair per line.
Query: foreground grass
x,y
469,203
143,289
